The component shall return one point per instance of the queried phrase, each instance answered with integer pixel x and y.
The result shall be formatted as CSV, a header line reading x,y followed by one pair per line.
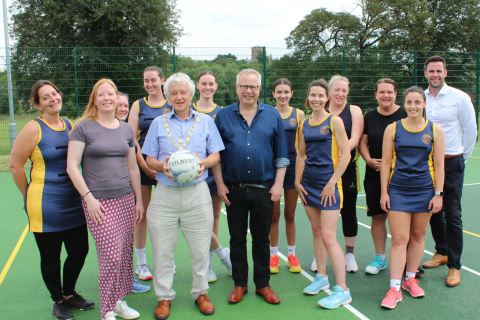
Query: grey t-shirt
x,y
104,161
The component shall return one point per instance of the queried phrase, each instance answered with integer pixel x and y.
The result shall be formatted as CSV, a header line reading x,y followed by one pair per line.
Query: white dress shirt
x,y
453,110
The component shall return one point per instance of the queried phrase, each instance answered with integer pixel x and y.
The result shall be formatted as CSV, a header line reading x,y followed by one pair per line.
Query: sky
x,y
221,23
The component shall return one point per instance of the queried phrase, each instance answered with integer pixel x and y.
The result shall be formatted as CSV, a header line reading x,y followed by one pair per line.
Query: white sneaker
x,y
313,267
211,276
226,262
143,272
122,310
351,263
110,316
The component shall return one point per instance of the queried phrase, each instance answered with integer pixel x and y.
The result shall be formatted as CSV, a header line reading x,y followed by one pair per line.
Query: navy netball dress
x,y
146,114
351,177
321,160
290,123
412,179
212,186
52,202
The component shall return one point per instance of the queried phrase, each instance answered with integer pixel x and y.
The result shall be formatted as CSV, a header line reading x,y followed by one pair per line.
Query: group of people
x,y
253,154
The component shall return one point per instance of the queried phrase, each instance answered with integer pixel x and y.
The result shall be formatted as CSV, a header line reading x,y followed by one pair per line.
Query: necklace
x,y
180,140
180,137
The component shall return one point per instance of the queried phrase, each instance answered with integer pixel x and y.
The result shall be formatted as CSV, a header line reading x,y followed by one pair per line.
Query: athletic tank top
x,y
413,154
212,113
346,116
52,202
290,123
146,114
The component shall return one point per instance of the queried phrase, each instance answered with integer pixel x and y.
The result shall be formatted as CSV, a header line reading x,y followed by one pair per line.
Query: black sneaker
x,y
79,303
420,272
61,311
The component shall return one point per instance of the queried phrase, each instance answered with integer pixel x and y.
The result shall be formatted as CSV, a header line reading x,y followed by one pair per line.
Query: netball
x,y
183,166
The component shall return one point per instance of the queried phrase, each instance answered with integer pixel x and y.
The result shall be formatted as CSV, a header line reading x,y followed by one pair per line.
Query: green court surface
x,y
23,294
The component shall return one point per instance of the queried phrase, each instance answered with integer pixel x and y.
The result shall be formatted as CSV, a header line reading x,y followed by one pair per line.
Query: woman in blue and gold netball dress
x,y
207,85
412,177
318,181
53,205
291,118
141,116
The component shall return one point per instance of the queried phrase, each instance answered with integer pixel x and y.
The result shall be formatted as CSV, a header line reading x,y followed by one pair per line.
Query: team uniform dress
x,y
290,123
212,186
52,202
412,179
146,114
321,151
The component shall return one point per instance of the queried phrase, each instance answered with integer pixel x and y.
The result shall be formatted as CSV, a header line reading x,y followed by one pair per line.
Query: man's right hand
x,y
375,164
222,192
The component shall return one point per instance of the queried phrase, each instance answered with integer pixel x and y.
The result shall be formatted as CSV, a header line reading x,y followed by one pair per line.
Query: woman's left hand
x,y
139,212
436,204
328,194
202,166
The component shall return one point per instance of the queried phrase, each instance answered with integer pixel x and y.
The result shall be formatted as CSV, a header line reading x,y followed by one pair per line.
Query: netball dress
x,y
290,123
146,114
351,177
52,202
412,179
321,153
212,186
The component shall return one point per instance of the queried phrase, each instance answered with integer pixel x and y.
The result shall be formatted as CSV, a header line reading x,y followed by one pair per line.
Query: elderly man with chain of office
x,y
255,153
453,110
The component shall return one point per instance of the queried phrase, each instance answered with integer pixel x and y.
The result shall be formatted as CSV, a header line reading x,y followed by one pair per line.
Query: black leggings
x,y
50,247
349,214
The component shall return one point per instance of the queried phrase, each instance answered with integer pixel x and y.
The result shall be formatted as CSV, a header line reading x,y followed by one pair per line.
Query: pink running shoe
x,y
393,296
411,285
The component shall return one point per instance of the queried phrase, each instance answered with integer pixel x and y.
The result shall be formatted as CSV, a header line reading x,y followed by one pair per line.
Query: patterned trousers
x,y
114,244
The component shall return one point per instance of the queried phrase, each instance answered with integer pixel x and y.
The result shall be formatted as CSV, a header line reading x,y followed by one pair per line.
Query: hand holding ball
x,y
184,166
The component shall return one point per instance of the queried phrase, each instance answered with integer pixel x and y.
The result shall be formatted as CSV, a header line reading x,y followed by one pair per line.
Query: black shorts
x,y
144,179
373,192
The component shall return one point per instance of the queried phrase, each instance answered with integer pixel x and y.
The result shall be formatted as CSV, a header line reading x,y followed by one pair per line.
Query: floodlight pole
x,y
13,125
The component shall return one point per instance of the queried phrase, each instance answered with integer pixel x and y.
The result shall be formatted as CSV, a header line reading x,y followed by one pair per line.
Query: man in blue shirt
x,y
255,154
177,206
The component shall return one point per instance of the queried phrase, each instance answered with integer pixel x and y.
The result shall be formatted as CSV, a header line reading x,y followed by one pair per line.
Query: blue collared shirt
x,y
252,154
205,140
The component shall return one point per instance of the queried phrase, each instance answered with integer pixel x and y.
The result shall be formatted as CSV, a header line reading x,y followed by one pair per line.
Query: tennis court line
x,y
13,255
426,251
309,277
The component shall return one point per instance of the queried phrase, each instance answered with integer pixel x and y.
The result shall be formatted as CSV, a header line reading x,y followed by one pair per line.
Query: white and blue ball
x,y
184,166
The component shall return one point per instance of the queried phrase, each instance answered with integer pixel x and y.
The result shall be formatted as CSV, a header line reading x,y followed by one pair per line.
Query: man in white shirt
x,y
452,109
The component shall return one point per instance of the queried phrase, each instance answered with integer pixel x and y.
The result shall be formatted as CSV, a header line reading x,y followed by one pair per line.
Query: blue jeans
x,y
446,225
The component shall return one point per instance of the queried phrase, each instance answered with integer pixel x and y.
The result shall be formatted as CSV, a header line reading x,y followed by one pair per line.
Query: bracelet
x,y
86,194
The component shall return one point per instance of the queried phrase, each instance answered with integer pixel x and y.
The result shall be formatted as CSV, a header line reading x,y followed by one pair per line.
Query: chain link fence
x,y
75,70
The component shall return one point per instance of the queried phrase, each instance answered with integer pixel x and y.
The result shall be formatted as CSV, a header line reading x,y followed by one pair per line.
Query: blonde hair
x,y
338,77
91,110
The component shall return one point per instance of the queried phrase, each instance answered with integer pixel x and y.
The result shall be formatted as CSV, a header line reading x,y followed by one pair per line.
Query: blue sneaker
x,y
318,284
138,287
376,265
336,299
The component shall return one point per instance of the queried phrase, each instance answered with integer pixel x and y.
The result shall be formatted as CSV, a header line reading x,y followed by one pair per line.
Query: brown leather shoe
x,y
453,278
237,294
268,295
163,309
436,261
206,307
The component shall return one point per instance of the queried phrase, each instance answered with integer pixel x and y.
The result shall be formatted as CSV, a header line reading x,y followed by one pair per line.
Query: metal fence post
x,y
264,75
76,78
477,91
174,61
13,125
344,63
415,80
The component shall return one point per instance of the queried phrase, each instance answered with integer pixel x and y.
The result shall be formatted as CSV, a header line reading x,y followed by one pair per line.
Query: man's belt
x,y
259,185
448,156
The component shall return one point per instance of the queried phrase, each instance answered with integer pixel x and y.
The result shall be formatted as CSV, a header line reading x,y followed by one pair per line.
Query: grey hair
x,y
179,78
249,71
338,77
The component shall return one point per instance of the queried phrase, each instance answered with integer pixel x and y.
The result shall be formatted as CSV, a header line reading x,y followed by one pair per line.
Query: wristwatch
x,y
439,193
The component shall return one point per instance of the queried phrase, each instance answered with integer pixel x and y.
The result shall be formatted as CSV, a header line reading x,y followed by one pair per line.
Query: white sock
x,y
382,255
409,275
291,250
220,252
141,257
395,283
274,250
211,257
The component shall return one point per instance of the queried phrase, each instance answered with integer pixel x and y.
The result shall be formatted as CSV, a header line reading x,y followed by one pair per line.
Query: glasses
x,y
245,88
